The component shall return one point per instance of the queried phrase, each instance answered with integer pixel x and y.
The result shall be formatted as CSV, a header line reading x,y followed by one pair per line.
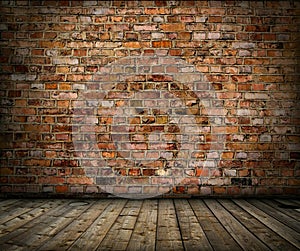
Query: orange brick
x,y
51,44
203,172
219,190
227,155
51,180
132,44
161,44
173,27
80,180
61,189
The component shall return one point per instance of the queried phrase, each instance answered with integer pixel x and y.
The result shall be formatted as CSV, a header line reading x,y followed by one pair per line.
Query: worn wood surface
x,y
164,224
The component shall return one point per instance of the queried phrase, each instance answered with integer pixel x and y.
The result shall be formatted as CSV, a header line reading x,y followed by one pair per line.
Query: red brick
x,y
50,44
219,190
161,44
61,189
241,79
202,172
227,155
234,191
108,154
179,189
157,11
51,180
244,173
50,86
184,35
173,27
132,44
134,172
227,129
80,180
271,78
6,171
248,79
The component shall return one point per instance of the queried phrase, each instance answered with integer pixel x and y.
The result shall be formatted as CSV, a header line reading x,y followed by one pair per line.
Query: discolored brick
x,y
214,112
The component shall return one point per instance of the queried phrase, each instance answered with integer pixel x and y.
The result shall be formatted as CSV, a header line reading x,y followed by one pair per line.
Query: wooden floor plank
x,y
287,201
94,235
168,232
65,238
122,228
6,204
216,233
49,226
22,230
144,233
21,207
192,234
242,235
297,202
9,247
277,214
22,219
292,212
57,210
284,231
163,224
266,235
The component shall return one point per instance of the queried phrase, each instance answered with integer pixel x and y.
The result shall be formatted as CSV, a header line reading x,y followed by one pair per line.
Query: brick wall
x,y
149,98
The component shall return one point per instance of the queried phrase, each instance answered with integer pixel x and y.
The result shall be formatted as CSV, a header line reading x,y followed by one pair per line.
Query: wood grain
x,y
153,224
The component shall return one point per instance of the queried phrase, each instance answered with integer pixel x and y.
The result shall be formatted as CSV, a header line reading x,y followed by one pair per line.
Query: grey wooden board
x,y
192,233
19,208
295,213
168,232
94,235
293,201
242,235
21,233
276,214
123,227
5,204
26,217
49,226
9,247
266,235
67,236
144,233
284,231
154,224
296,202
219,238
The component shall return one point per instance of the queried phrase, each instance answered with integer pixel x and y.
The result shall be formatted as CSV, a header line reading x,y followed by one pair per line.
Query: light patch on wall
x,y
152,126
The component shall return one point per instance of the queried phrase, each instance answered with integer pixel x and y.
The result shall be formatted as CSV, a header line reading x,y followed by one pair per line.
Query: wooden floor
x,y
164,224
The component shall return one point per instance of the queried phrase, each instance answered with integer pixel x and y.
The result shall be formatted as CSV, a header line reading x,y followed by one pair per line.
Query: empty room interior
x,y
149,125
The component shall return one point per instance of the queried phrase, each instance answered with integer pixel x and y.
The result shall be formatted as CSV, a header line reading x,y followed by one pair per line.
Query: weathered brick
x,y
144,27
66,61
61,189
257,96
79,180
243,45
51,180
172,27
238,69
163,44
157,11
51,44
213,35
